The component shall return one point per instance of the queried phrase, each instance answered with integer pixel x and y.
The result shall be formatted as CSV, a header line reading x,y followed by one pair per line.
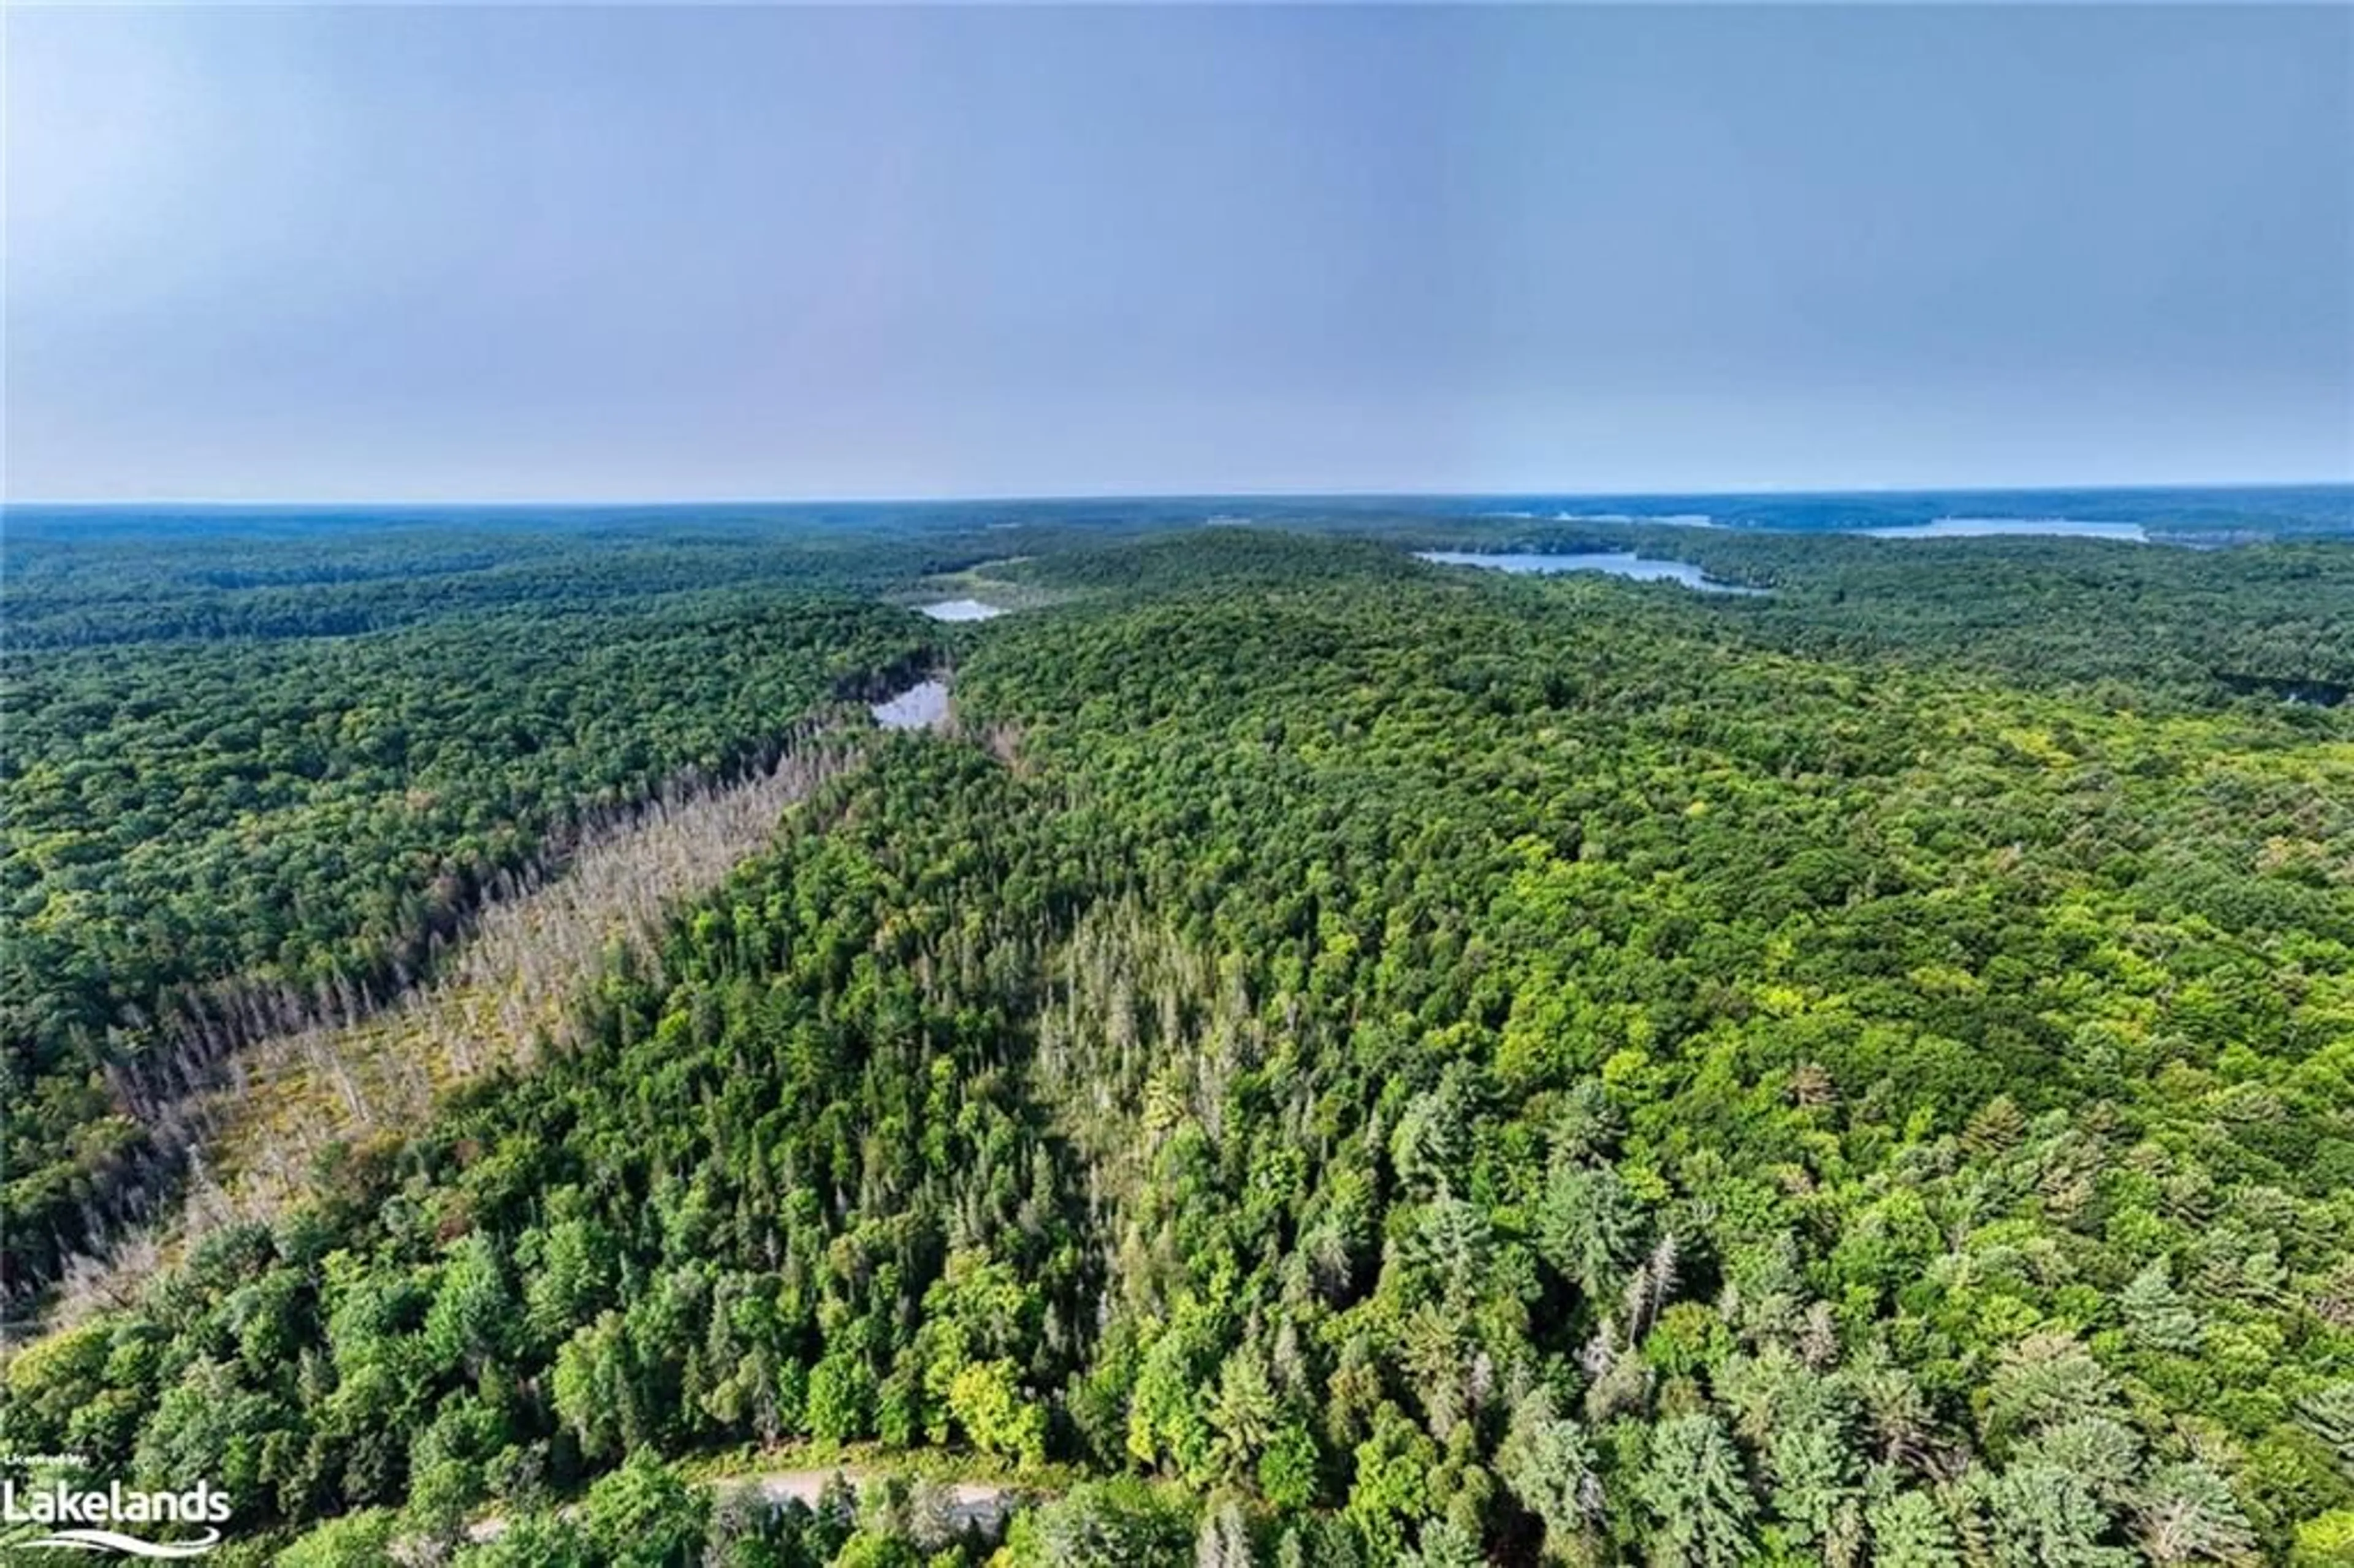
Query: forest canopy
x,y
1329,1060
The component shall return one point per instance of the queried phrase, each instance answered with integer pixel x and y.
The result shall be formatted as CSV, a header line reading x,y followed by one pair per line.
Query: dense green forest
x,y
1331,1060
237,783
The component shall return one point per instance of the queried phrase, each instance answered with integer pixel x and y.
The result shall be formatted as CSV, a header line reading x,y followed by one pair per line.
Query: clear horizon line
x,y
1011,498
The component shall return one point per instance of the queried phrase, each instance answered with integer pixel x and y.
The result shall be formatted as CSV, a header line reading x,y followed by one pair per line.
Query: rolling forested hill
x,y
1329,1061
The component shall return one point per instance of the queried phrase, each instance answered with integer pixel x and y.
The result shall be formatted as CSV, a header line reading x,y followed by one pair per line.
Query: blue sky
x,y
569,252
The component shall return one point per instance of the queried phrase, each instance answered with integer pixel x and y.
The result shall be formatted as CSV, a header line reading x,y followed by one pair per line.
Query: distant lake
x,y
2001,527
1656,520
920,706
1660,519
1642,569
960,609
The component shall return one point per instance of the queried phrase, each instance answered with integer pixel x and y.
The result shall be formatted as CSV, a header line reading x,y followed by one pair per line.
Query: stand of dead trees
x,y
258,1083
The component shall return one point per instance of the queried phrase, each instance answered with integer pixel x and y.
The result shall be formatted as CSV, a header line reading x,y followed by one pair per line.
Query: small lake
x,y
2012,527
960,609
920,706
1648,519
1656,520
1620,564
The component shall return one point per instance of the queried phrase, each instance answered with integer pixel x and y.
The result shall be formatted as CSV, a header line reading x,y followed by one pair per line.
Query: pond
x,y
2012,527
960,609
921,707
1623,564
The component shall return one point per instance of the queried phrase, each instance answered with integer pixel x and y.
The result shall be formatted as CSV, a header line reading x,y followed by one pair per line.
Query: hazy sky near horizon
x,y
637,253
